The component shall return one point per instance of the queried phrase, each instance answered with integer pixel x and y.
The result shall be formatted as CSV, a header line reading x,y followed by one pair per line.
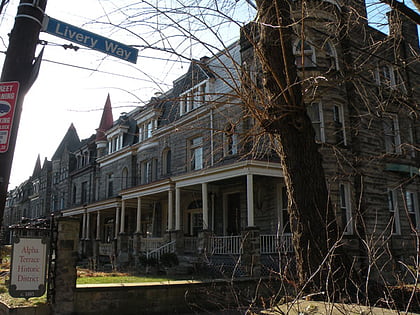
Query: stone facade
x,y
194,161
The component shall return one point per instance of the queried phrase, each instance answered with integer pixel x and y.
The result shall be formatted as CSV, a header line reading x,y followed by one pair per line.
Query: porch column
x,y
177,209
122,226
117,221
87,226
84,226
170,210
138,222
205,206
98,226
250,199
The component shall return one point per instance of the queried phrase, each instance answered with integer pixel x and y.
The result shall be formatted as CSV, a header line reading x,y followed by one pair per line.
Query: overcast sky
x,y
73,85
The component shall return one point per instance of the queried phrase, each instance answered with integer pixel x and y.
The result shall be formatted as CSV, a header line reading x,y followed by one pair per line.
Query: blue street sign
x,y
90,40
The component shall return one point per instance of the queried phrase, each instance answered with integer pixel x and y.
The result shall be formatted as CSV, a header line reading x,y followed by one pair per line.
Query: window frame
x,y
193,157
392,199
392,138
338,118
193,98
414,210
309,55
331,55
345,207
321,129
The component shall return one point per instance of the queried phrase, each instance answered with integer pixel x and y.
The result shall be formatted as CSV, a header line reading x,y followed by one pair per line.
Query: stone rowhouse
x,y
193,173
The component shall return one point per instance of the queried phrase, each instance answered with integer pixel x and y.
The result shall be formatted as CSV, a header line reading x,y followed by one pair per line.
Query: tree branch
x,y
401,7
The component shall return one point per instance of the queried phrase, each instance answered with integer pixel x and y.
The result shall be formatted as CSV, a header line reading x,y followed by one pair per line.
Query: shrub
x,y
148,261
169,260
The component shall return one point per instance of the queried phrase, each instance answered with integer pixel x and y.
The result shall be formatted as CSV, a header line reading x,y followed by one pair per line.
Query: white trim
x,y
230,171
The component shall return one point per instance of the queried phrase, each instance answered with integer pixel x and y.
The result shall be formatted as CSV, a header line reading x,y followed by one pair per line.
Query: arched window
x,y
124,178
331,56
166,161
304,54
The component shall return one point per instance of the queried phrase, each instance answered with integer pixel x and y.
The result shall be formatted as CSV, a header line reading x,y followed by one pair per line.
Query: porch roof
x,y
249,167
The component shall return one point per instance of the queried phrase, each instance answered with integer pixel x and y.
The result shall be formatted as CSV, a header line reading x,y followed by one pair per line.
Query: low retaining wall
x,y
175,297
30,310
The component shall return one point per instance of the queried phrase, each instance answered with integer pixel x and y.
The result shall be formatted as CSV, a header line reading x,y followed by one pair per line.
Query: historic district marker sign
x,y
90,40
29,266
8,96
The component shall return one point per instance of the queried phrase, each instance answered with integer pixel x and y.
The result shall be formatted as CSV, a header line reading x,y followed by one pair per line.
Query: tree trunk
x,y
311,218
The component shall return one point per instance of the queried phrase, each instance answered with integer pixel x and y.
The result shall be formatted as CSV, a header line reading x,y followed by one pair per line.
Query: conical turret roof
x,y
107,120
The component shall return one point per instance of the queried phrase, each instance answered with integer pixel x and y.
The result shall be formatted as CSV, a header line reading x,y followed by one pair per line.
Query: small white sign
x,y
29,266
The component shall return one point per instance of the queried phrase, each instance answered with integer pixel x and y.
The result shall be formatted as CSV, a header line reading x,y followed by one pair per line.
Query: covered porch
x,y
226,211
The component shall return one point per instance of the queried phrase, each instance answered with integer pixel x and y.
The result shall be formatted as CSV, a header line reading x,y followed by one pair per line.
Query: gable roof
x,y
70,142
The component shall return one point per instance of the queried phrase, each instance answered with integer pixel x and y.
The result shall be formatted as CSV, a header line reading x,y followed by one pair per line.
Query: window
x,y
230,146
196,153
115,143
74,194
154,170
62,201
388,76
345,210
192,98
283,213
124,178
331,56
317,118
304,54
146,129
146,172
412,209
392,134
411,136
393,212
84,192
339,131
149,128
110,185
166,162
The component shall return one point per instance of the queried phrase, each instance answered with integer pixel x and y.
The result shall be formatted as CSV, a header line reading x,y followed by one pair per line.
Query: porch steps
x,y
186,266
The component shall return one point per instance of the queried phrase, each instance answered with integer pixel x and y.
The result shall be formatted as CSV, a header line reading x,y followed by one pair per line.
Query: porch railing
x,y
150,244
272,244
165,248
224,245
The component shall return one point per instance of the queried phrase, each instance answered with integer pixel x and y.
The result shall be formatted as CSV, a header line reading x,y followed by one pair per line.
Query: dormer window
x,y
115,143
193,98
304,54
115,138
146,129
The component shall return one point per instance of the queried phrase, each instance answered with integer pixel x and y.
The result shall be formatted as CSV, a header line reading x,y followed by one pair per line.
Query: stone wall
x,y
180,297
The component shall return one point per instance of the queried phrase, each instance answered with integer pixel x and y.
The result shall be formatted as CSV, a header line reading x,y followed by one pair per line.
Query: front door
x,y
233,214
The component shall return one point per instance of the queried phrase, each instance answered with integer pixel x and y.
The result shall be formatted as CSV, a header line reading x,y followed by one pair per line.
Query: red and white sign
x,y
8,95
